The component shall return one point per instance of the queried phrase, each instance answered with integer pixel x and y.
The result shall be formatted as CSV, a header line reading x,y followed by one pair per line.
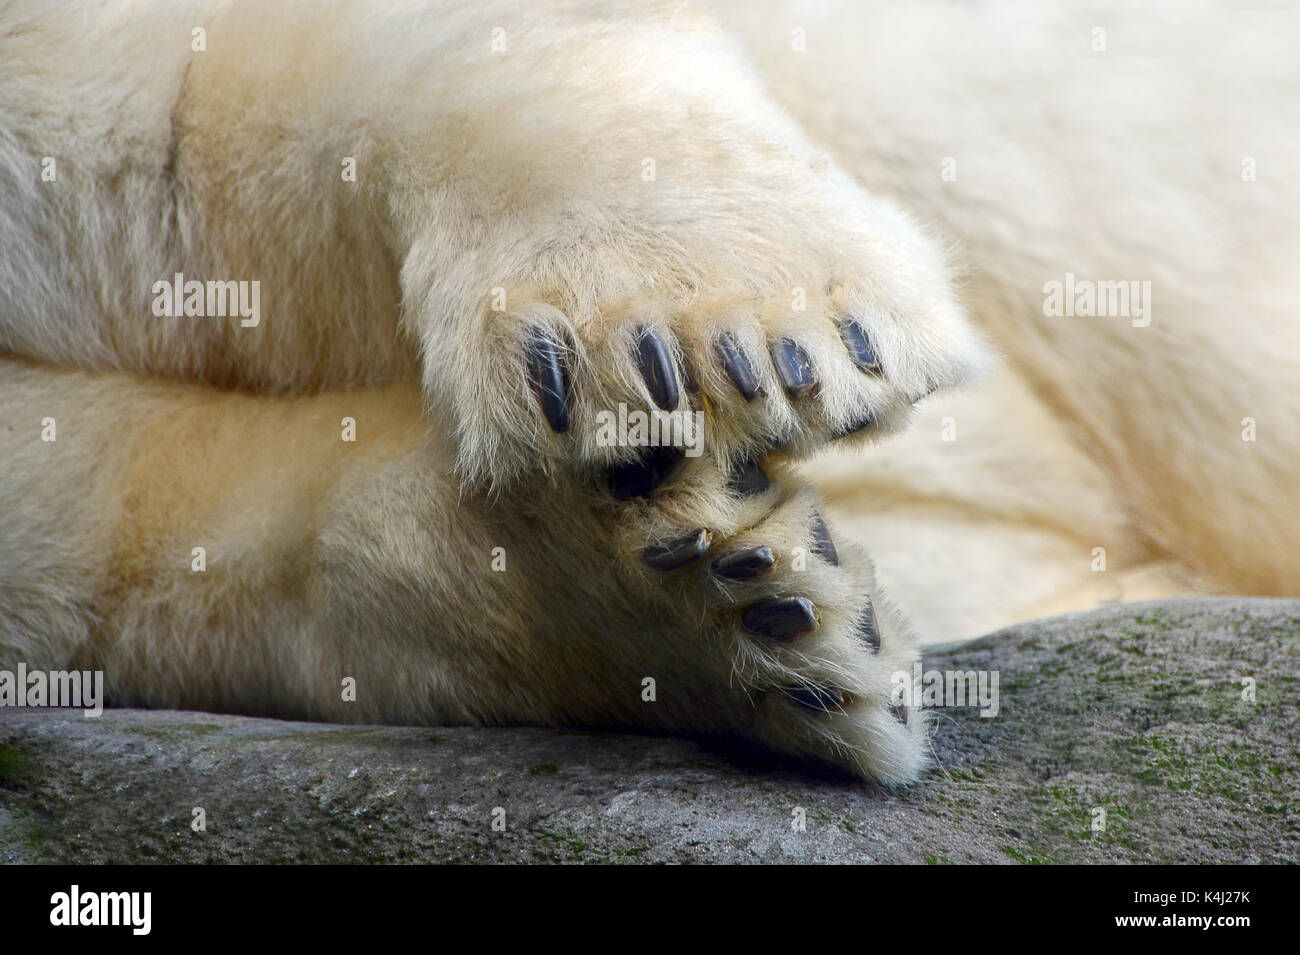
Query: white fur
x,y
521,170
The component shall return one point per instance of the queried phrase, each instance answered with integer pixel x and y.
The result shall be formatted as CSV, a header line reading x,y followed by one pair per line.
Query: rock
x,y
1137,711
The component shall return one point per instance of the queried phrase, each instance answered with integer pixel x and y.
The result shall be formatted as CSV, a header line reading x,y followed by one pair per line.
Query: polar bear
x,y
313,318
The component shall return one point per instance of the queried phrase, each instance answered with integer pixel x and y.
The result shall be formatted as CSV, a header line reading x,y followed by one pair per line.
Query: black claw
x,y
794,368
679,553
869,629
690,381
550,379
823,546
736,364
745,564
783,619
859,345
748,478
899,712
820,698
657,368
642,477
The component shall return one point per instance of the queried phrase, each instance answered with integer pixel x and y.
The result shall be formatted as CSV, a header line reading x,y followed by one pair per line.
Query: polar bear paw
x,y
737,377
764,624
804,317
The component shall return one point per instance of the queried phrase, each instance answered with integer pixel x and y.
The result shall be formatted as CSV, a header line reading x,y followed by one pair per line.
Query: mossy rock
x,y
1124,735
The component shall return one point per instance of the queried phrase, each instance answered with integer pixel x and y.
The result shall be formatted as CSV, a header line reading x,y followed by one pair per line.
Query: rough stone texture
x,y
1137,710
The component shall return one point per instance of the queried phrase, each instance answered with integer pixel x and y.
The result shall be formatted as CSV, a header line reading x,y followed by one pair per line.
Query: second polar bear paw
x,y
763,623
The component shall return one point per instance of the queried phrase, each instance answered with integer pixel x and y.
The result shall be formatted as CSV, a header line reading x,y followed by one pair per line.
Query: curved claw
x,y
550,379
794,368
783,619
745,564
656,364
679,553
737,366
859,346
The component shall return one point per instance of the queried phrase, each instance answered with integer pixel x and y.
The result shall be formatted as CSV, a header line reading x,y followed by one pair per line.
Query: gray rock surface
x,y
1136,710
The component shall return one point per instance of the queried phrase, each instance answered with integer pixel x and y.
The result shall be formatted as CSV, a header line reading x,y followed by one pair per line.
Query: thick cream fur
x,y
521,170
1125,163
